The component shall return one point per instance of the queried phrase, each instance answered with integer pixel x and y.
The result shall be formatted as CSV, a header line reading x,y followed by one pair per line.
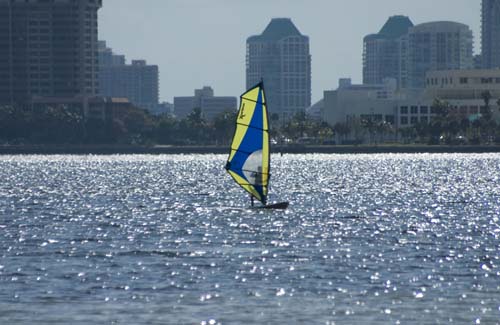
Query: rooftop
x,y
395,27
277,29
441,25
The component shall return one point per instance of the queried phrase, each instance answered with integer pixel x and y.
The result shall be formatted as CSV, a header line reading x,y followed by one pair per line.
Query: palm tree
x,y
486,96
369,125
224,126
343,130
487,122
442,125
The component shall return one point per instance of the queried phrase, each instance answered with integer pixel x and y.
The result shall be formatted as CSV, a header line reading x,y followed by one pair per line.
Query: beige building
x,y
348,102
204,99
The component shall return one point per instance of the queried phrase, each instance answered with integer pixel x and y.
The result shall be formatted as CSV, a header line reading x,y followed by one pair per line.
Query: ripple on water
x,y
371,239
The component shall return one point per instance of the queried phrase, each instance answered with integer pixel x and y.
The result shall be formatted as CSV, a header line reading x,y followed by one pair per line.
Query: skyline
x,y
189,57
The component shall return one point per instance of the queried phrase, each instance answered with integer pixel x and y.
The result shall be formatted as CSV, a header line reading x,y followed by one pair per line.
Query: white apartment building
x,y
280,57
435,46
384,52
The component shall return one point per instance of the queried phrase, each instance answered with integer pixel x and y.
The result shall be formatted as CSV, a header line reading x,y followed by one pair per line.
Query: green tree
x,y
194,129
486,111
166,129
382,129
15,123
369,124
224,125
325,132
439,125
56,125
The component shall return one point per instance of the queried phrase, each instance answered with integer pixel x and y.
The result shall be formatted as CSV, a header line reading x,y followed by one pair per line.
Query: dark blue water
x,y
368,239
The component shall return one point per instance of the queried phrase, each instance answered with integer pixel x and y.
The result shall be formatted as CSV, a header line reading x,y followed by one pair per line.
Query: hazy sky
x,y
202,42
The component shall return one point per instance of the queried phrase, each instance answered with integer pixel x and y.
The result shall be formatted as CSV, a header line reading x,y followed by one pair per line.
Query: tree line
x,y
64,125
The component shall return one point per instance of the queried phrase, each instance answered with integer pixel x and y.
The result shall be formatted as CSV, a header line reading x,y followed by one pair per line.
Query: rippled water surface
x,y
368,239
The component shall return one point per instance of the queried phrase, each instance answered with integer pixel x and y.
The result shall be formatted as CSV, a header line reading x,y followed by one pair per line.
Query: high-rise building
x,y
384,53
48,48
280,57
438,46
490,34
139,82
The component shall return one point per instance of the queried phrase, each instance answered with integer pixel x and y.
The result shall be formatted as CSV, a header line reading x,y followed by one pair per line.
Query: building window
x,y
424,110
414,110
464,80
404,120
404,110
424,119
414,120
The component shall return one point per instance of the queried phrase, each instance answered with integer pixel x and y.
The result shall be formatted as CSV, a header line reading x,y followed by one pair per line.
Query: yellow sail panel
x,y
252,94
244,183
245,114
246,111
263,96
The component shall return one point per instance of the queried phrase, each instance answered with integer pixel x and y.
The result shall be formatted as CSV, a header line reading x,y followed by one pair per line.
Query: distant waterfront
x,y
291,149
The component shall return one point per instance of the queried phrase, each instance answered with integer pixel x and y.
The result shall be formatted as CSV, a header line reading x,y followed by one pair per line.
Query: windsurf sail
x,y
249,159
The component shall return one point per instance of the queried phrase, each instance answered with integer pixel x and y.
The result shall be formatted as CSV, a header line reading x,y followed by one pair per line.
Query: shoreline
x,y
291,149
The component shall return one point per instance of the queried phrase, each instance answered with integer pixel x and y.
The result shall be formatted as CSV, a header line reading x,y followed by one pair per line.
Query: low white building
x,y
463,90
462,84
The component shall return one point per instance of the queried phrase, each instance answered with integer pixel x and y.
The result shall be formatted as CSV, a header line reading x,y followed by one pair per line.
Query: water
x,y
368,239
